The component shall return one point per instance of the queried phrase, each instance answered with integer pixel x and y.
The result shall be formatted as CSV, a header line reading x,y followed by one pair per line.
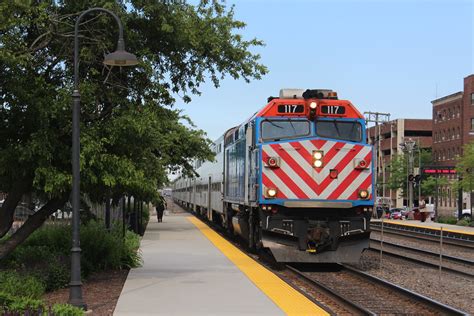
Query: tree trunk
x,y
20,187
33,223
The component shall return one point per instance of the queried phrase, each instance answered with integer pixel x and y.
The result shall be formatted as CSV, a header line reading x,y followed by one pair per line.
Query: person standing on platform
x,y
160,209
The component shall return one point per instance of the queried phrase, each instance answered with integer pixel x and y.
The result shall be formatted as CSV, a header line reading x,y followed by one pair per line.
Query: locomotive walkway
x,y
190,270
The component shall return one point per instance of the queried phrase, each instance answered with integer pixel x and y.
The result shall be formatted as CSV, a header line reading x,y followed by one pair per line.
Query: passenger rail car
x,y
295,178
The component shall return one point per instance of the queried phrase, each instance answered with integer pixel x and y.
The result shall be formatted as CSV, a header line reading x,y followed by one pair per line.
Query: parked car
x,y
395,213
466,214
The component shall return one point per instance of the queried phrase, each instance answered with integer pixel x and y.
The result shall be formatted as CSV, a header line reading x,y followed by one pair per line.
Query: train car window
x,y
282,129
351,131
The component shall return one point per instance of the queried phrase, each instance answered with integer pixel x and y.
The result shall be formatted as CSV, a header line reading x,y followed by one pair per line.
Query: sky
x,y
386,56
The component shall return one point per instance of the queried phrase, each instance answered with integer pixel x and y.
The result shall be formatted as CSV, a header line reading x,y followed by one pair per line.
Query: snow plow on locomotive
x,y
295,178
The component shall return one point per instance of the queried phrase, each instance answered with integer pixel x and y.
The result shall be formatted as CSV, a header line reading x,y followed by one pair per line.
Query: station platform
x,y
463,230
189,269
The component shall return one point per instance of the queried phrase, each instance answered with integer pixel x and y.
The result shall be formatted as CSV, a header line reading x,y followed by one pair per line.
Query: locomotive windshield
x,y
351,131
282,129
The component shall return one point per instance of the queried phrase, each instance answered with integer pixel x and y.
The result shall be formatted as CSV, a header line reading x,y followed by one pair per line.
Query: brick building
x,y
393,133
453,124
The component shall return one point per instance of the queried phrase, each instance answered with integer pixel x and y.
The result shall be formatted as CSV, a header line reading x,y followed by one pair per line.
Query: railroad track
x,y
432,237
363,294
452,264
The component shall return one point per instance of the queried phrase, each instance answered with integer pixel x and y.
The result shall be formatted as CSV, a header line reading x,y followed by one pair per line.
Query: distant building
x,y
392,134
453,123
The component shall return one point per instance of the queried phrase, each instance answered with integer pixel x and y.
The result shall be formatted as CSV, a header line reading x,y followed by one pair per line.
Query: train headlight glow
x,y
364,194
318,158
318,163
313,105
318,155
271,192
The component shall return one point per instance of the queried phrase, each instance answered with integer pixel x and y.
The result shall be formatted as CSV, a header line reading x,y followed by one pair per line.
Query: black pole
x,y
436,198
470,192
107,214
129,209
140,220
75,286
135,213
123,218
460,198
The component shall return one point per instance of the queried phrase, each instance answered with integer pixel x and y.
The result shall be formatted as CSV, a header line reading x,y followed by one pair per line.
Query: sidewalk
x,y
184,274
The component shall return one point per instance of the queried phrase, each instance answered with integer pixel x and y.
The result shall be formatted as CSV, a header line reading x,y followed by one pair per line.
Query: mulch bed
x,y
100,292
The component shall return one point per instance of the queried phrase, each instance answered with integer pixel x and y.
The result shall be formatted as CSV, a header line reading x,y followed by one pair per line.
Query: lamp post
x,y
118,58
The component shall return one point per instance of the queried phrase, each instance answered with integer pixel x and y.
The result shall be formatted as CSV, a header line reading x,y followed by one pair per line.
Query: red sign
x,y
439,171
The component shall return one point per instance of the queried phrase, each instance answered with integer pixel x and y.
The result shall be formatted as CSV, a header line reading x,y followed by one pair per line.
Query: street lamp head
x,y
120,57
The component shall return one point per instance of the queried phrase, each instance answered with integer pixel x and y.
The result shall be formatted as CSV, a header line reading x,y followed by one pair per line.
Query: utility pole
x,y
379,164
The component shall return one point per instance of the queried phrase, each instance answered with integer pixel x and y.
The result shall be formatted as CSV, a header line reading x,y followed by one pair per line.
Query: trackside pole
x,y
381,244
440,252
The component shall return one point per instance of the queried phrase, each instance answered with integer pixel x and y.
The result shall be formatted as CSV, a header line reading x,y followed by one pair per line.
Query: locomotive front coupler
x,y
311,232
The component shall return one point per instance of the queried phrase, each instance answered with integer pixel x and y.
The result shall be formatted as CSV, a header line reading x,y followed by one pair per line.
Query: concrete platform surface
x,y
184,274
430,225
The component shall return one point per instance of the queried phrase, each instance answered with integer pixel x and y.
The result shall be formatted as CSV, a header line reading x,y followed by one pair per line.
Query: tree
x,y
130,135
398,173
431,184
398,169
465,168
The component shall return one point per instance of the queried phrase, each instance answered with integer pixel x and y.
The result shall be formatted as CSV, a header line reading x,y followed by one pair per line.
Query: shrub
x,y
447,220
56,275
101,250
22,304
131,257
26,286
6,299
29,256
462,222
67,310
145,217
56,238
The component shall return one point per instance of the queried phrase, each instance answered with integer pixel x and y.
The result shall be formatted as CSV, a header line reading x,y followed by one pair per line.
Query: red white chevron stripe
x,y
296,178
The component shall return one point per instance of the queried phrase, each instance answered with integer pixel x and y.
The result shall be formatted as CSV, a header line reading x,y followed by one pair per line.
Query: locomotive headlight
x,y
318,163
312,110
318,155
271,192
364,194
318,158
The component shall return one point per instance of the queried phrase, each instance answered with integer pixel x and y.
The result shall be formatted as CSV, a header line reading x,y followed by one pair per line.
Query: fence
x,y
128,211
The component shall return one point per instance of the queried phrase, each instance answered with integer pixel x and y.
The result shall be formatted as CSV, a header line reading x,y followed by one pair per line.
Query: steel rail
x,y
424,263
426,252
443,308
333,294
423,236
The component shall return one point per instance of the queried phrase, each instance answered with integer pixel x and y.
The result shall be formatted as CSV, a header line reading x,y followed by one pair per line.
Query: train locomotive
x,y
296,178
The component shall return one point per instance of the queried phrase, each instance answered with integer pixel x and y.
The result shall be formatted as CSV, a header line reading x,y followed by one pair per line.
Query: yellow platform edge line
x,y
290,301
445,229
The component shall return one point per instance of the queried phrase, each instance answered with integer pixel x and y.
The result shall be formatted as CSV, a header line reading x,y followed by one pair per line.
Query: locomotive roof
x,y
296,102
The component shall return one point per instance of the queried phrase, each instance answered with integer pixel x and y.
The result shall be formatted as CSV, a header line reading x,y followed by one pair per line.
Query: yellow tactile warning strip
x,y
465,232
287,298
